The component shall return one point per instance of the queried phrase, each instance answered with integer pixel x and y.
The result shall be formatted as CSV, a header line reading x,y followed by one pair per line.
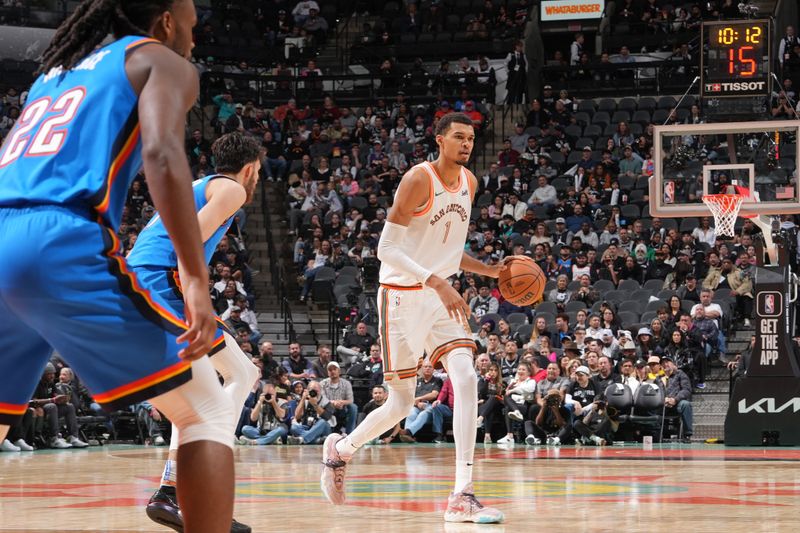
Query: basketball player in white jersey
x,y
421,246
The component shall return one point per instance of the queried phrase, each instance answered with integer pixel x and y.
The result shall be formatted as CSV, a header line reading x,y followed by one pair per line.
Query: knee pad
x,y
200,409
234,365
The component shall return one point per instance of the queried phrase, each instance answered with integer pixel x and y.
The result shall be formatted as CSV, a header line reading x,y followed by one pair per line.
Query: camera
x,y
268,397
312,394
601,405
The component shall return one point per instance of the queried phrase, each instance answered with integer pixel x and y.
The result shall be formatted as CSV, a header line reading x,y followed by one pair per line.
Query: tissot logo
x,y
768,405
736,86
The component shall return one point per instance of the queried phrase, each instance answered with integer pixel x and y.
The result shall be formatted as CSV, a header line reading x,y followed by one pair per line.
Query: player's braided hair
x,y
92,21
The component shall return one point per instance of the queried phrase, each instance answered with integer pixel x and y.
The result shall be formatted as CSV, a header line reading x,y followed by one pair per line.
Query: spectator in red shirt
x,y
444,109
474,114
442,410
508,156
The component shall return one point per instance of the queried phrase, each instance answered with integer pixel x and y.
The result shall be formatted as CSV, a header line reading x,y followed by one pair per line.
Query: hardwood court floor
x,y
403,488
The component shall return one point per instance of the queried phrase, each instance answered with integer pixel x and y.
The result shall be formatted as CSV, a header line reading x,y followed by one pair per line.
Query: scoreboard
x,y
736,59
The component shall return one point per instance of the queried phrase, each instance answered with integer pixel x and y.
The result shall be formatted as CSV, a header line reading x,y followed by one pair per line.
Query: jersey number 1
x,y
446,231
50,133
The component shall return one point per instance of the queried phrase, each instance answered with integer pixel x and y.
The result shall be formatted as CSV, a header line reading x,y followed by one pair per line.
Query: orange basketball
x,y
522,282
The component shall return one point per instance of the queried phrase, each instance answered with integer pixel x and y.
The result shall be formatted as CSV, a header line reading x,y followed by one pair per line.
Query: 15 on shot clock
x,y
736,58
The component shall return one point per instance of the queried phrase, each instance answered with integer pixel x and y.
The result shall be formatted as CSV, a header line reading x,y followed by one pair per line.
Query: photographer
x,y
551,422
311,416
596,426
268,414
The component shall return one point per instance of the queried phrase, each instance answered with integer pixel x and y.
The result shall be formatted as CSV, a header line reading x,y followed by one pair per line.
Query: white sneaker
x,y
747,322
8,447
487,439
479,422
59,443
508,439
24,446
530,440
78,443
598,441
553,441
516,415
159,441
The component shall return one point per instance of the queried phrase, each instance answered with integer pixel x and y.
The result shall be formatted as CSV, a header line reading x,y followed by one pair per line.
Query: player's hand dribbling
x,y
456,307
200,317
493,271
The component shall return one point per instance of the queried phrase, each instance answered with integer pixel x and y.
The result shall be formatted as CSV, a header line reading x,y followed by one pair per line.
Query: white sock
x,y
397,406
170,476
465,413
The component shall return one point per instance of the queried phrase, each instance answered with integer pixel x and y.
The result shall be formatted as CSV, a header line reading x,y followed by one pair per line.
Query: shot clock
x,y
736,58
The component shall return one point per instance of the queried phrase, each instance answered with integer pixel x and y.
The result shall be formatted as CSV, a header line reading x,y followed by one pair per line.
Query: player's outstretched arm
x,y
168,86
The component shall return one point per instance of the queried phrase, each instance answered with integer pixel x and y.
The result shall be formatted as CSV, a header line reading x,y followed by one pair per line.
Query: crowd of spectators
x,y
480,20
580,219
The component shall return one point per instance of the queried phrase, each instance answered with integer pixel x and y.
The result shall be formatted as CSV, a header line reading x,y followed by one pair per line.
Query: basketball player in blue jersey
x,y
217,198
94,117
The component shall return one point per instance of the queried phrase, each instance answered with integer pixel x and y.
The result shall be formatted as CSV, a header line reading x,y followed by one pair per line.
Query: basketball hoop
x,y
725,208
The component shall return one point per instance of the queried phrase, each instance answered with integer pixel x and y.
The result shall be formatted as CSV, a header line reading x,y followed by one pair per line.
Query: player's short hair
x,y
449,119
233,151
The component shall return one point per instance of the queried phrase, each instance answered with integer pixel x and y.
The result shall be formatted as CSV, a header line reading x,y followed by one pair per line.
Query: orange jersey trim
x,y
417,287
138,289
448,189
116,165
427,207
384,319
143,383
137,44
13,409
471,187
448,347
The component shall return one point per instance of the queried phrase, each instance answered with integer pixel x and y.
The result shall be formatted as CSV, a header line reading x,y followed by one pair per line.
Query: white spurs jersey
x,y
436,235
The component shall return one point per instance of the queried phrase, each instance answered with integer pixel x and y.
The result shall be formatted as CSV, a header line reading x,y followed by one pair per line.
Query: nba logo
x,y
669,192
770,304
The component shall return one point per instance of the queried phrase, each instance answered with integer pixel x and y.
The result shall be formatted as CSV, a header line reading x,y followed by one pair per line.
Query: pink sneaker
x,y
333,470
465,507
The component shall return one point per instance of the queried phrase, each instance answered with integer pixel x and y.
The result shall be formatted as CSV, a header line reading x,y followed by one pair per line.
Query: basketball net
x,y
725,208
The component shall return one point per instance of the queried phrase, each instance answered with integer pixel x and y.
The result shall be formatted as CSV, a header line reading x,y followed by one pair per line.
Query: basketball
x,y
522,282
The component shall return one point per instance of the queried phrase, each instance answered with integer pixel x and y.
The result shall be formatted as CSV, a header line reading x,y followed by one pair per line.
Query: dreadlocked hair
x,y
92,21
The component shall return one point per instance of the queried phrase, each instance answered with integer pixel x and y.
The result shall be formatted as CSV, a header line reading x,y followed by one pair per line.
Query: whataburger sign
x,y
572,9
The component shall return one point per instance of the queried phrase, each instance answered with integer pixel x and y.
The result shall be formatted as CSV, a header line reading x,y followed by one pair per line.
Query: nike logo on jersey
x,y
464,192
439,193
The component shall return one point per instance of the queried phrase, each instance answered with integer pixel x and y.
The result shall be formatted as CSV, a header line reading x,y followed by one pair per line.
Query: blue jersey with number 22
x,y
76,142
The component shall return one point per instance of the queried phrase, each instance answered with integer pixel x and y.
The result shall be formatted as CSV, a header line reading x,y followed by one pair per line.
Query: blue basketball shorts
x,y
64,285
167,284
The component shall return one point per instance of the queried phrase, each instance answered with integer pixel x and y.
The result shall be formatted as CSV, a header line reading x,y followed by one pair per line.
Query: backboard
x,y
692,160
